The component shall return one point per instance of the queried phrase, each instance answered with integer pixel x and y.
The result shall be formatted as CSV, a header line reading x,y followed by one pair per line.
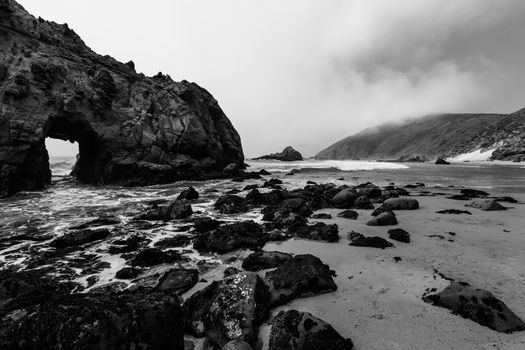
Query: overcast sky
x,y
307,73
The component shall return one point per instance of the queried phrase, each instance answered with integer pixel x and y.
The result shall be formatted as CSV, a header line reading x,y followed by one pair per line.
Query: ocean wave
x,y
321,165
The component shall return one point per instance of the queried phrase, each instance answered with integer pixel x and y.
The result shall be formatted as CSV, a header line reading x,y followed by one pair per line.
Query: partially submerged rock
x,y
323,216
154,256
303,276
287,155
189,194
265,260
179,209
230,204
239,235
232,309
295,330
486,204
100,221
477,305
359,240
441,161
78,238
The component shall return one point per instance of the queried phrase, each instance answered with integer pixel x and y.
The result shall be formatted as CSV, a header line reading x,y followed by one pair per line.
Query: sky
x,y
307,73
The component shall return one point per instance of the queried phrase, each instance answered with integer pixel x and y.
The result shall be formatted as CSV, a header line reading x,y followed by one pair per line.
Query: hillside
x,y
435,136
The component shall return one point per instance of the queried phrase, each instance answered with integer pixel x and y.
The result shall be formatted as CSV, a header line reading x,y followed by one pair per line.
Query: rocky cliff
x,y
436,136
131,129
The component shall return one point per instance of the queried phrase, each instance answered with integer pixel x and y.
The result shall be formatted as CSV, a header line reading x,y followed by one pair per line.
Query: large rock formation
x,y
287,155
436,136
131,129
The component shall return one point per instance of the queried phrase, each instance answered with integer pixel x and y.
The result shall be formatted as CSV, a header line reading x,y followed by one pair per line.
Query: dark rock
x,y
177,281
460,197
441,161
189,194
477,305
230,204
473,193
345,198
232,309
348,214
401,204
239,235
265,260
101,321
77,238
230,271
272,183
264,172
233,191
206,224
175,241
127,245
179,209
358,240
289,212
287,155
317,232
296,330
399,235
250,187
303,276
486,205
505,199
131,129
453,211
127,273
363,202
101,221
237,345
154,256
384,219
321,216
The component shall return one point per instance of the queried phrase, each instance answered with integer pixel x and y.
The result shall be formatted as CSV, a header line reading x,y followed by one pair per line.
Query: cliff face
x,y
437,136
131,129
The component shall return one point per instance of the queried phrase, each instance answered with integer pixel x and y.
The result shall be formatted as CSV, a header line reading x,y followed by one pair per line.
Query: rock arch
x,y
131,129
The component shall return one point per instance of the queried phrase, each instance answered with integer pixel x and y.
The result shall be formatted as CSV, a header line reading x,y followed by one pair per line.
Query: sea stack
x,y
131,129
289,154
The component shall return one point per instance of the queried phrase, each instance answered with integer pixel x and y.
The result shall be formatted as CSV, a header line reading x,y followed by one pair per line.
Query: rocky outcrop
x,y
131,129
287,155
445,135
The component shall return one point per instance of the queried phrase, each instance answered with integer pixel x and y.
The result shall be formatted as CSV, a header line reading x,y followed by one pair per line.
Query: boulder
x,y
189,194
362,202
96,321
232,309
78,238
265,260
177,281
230,204
317,232
127,273
400,204
303,276
288,212
131,129
441,161
287,155
226,238
179,209
323,216
486,205
384,219
154,256
348,214
345,198
477,305
295,330
400,235
358,240
237,345
205,224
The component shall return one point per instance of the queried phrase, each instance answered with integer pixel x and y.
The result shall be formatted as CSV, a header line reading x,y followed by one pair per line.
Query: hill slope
x,y
437,136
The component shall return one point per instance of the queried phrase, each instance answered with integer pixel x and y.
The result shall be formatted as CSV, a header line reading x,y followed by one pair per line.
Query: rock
x,y
101,321
345,198
473,193
441,161
401,204
384,219
101,221
179,209
232,309
272,183
477,305
486,204
78,238
130,244
237,345
294,330
363,202
154,256
177,281
303,276
348,214
250,187
265,260
131,129
505,199
399,235
189,194
239,235
127,273
206,224
317,232
369,190
230,271
358,240
460,197
287,155
322,216
289,212
230,204
175,241
453,211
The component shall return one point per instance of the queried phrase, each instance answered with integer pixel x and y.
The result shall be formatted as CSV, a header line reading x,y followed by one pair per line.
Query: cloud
x,y
309,72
